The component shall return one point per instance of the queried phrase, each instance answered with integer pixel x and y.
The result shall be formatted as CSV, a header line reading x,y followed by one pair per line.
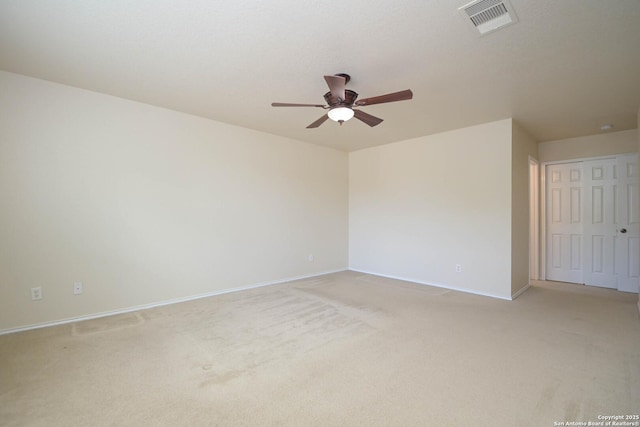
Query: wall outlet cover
x,y
36,293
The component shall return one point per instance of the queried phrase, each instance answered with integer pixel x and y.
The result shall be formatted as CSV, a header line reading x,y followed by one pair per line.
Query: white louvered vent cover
x,y
489,15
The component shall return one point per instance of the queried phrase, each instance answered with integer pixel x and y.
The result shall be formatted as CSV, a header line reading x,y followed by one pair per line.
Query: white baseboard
x,y
521,291
160,304
437,285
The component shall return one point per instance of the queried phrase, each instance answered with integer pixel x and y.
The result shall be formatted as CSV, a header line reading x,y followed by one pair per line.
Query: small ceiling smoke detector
x,y
606,127
488,15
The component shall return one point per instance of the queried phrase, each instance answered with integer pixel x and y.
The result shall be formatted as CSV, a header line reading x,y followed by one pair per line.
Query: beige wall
x,y
603,144
419,207
524,147
145,205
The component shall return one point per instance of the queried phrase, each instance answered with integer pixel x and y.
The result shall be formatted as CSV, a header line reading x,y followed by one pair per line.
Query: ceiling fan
x,y
341,102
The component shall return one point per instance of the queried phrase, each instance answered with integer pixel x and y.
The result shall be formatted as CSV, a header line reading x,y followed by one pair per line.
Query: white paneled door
x,y
599,232
564,222
628,224
593,223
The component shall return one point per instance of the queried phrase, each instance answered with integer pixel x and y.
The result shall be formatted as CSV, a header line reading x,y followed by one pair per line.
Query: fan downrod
x,y
347,77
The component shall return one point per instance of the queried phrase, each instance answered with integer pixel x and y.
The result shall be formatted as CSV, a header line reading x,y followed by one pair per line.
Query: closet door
x,y
600,220
564,215
627,237
593,223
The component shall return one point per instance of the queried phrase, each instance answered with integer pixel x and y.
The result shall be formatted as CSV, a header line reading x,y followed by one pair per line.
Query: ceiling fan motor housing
x,y
350,98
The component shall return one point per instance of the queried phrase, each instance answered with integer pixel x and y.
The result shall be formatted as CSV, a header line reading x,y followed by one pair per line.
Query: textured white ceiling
x,y
563,70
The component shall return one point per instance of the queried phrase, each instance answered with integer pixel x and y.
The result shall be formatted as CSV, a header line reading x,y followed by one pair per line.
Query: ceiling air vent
x,y
489,15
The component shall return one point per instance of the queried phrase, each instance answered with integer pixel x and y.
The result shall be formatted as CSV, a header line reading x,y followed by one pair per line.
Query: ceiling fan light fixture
x,y
341,100
340,114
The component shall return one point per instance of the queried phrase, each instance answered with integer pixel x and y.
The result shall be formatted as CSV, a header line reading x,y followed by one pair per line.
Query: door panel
x,y
600,185
628,242
564,225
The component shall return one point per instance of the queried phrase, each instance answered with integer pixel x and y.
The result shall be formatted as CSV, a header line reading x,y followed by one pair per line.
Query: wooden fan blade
x,y
403,95
367,118
318,122
336,86
285,104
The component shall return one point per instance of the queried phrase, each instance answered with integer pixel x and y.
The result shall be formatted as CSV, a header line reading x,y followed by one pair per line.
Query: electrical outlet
x,y
458,268
310,257
36,293
77,288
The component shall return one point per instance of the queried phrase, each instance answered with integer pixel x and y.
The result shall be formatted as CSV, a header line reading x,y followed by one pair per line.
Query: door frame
x,y
543,203
534,219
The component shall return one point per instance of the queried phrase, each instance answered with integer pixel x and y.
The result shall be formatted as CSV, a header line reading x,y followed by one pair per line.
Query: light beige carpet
x,y
346,349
